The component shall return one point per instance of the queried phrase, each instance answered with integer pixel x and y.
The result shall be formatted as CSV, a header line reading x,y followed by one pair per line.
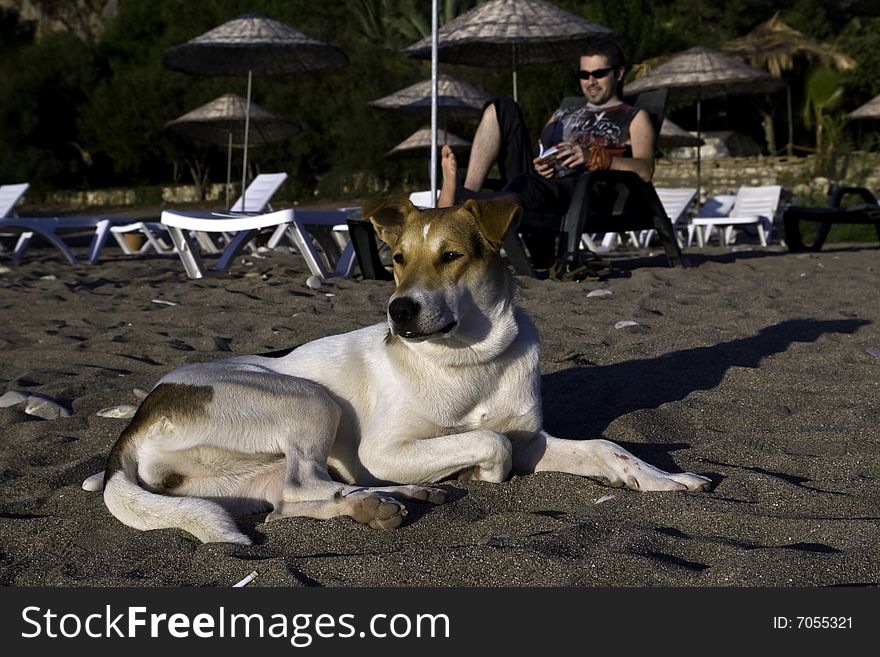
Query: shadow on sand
x,y
582,401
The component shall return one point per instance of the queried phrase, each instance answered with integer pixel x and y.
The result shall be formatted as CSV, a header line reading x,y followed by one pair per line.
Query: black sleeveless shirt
x,y
607,125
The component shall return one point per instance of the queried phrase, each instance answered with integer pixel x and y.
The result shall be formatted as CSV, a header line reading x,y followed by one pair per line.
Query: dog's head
x,y
447,266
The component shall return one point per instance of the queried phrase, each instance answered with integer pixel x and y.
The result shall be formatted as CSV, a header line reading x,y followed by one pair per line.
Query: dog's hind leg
x,y
305,431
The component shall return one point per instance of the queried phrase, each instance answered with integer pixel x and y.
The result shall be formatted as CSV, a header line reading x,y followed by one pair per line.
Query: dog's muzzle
x,y
404,313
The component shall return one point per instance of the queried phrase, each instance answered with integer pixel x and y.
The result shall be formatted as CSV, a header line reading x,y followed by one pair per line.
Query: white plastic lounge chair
x,y
292,223
49,228
422,200
719,205
753,206
182,226
256,197
9,197
676,202
308,232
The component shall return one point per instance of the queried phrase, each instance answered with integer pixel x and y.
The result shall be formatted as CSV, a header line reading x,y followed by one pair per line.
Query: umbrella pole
x,y
228,169
790,146
515,97
435,27
699,169
247,125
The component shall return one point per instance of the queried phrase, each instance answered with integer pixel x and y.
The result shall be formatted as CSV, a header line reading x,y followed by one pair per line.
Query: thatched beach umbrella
x,y
777,48
419,142
870,110
674,136
453,96
252,44
700,74
222,122
502,32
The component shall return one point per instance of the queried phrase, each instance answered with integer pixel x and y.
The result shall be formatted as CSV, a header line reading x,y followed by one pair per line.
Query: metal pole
x,y
228,169
699,182
247,125
515,98
435,27
789,149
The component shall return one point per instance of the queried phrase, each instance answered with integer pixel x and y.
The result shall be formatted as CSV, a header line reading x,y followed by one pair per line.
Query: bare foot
x,y
449,166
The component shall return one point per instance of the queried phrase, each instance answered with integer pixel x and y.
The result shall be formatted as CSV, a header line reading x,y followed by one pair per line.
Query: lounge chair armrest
x,y
842,192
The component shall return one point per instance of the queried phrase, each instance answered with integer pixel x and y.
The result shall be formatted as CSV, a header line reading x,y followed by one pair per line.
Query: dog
x,y
355,424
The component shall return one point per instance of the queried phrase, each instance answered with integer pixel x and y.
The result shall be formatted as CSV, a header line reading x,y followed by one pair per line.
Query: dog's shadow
x,y
581,402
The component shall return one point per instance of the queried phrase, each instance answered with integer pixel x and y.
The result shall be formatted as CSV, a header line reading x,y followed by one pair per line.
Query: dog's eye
x,y
398,258
450,256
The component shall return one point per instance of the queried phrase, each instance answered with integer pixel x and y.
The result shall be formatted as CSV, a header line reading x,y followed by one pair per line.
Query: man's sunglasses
x,y
598,74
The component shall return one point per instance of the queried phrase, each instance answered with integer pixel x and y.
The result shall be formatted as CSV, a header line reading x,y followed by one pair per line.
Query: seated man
x,y
605,133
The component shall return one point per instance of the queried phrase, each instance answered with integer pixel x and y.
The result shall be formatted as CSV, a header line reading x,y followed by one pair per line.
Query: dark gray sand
x,y
759,369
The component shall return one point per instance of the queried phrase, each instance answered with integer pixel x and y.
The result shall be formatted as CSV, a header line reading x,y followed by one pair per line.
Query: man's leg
x,y
484,149
484,152
501,137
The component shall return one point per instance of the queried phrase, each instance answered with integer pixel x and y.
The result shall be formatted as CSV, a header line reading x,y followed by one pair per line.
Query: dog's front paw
x,y
661,481
692,482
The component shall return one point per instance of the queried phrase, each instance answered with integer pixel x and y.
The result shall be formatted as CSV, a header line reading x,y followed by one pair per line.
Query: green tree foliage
x,y
43,90
824,96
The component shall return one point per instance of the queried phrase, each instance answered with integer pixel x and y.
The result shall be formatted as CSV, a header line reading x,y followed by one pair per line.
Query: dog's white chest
x,y
478,418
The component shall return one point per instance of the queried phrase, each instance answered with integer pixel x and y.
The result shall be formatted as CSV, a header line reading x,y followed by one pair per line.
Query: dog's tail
x,y
137,507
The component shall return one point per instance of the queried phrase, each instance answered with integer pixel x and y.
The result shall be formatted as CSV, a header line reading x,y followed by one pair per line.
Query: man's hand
x,y
571,155
544,168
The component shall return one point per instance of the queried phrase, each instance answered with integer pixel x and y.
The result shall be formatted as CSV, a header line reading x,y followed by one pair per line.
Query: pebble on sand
x,y
45,408
12,398
121,411
624,323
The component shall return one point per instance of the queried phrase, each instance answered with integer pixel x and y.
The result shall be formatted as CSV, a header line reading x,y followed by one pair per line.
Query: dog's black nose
x,y
403,310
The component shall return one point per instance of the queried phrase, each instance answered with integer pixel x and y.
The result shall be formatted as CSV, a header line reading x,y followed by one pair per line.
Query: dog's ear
x,y
388,216
494,218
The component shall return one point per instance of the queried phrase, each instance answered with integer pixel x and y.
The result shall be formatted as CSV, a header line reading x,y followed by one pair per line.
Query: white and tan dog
x,y
450,386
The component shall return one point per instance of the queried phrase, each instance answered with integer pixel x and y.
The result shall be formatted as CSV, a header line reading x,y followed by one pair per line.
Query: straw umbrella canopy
x,y
454,96
419,142
777,47
515,31
222,121
870,110
702,73
252,44
674,136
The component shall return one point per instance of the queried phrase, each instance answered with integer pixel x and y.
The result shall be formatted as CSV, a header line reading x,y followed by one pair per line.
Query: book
x,y
550,156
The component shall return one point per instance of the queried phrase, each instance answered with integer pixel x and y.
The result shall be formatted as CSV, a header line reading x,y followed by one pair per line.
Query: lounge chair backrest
x,y
260,192
717,206
421,199
676,201
9,196
756,201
